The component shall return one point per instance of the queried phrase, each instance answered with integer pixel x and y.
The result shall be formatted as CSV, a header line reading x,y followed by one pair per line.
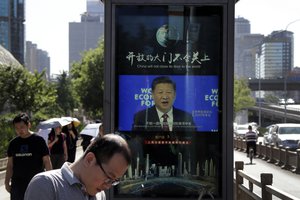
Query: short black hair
x,y
105,147
250,127
162,79
22,117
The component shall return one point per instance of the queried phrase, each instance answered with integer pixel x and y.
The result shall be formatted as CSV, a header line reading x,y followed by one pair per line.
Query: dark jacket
x,y
148,120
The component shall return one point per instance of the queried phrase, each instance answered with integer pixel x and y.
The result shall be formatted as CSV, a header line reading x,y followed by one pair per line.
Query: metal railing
x,y
283,157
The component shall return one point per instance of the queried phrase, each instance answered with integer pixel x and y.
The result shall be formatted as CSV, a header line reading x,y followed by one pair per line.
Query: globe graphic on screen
x,y
167,36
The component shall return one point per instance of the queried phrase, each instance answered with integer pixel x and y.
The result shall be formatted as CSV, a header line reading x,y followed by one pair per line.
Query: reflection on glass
x,y
168,73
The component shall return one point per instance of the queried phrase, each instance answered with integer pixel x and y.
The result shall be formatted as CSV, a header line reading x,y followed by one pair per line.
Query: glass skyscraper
x,y
12,27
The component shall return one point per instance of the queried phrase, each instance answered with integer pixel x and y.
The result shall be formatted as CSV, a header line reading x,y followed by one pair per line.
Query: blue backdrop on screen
x,y
195,94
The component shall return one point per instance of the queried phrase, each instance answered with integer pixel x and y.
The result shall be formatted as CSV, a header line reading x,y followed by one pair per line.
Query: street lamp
x,y
259,95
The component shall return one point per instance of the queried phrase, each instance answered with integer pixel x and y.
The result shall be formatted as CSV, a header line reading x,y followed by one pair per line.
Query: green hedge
x,y
7,133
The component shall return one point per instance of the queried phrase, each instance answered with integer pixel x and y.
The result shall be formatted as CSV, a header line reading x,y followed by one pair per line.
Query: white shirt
x,y
169,119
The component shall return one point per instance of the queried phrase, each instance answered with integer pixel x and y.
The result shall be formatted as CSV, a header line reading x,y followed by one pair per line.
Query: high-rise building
x,y
12,27
94,6
275,59
37,59
85,35
242,27
246,47
276,56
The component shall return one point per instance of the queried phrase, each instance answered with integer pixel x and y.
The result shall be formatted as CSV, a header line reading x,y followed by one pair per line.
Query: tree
x,y
45,97
65,96
88,80
8,82
242,95
270,98
24,91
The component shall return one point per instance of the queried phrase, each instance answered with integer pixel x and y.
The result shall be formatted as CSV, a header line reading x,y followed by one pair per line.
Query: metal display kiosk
x,y
189,42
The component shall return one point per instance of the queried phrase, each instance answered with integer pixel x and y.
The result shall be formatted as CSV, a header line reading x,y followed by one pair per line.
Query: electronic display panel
x,y
168,40
172,165
168,69
197,95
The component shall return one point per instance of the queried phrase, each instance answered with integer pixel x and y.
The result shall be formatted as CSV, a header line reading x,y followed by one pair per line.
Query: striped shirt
x,y
251,136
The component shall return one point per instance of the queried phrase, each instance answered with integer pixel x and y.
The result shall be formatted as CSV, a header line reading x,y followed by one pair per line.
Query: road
x,y
282,179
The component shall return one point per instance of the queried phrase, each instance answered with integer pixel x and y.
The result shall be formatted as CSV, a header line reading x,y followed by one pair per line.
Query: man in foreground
x,y
28,155
100,167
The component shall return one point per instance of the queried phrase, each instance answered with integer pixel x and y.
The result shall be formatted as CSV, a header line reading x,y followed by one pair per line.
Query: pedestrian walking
x,y
71,140
28,155
58,147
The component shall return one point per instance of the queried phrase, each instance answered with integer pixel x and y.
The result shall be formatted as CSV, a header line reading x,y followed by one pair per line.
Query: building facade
x,y
275,60
37,59
242,27
12,27
85,35
276,55
246,47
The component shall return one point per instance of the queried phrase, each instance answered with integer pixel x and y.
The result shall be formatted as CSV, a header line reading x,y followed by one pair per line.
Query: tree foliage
x,y
242,95
65,96
88,80
8,82
270,98
23,91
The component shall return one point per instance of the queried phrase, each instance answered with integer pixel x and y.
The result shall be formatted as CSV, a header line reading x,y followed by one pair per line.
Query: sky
x,y
47,23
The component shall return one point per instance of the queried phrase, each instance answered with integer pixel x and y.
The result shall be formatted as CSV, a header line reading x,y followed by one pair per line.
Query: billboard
x,y
167,72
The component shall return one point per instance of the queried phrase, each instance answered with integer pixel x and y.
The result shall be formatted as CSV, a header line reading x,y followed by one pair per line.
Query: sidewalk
x,y
4,195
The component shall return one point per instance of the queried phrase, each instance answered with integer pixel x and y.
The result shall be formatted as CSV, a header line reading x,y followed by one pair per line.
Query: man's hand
x,y
8,187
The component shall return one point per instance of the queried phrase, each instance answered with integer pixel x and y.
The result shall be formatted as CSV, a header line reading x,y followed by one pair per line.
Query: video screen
x,y
174,167
195,95
168,40
174,131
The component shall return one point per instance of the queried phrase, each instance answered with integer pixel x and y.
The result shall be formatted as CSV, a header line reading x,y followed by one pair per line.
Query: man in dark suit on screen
x,y
163,116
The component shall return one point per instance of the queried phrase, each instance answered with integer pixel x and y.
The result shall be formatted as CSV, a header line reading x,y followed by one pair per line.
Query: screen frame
x,y
227,79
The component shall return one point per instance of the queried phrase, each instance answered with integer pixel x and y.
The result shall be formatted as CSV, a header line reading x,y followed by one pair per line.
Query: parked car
x,y
285,134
